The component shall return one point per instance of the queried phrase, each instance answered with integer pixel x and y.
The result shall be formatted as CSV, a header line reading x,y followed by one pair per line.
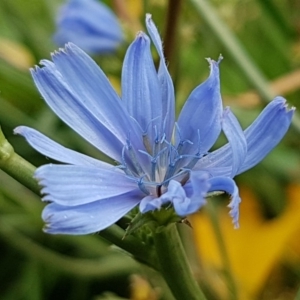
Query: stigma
x,y
165,161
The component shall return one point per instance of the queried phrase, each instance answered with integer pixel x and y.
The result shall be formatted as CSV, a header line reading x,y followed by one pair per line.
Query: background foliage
x,y
260,42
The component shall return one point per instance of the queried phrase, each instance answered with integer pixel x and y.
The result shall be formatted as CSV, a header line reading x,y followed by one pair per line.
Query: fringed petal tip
x,y
88,218
50,230
142,35
67,45
34,70
43,191
234,210
281,102
68,49
213,62
148,17
44,62
41,179
47,228
228,185
44,65
279,99
38,174
18,130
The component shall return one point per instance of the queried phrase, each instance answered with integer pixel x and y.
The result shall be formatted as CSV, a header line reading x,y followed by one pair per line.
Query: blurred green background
x,y
260,43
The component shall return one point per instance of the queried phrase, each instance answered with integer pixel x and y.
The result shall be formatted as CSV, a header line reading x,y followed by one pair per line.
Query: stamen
x,y
172,168
124,166
147,144
142,186
154,162
156,145
181,141
136,164
192,163
166,119
185,177
197,156
163,138
167,161
148,125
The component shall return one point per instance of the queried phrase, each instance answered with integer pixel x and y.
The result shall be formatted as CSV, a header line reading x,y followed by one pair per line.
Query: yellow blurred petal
x,y
253,249
130,12
15,54
294,244
140,289
135,9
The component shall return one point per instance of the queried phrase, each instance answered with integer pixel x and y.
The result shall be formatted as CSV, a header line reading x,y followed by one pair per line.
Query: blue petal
x,y
55,151
167,88
176,195
80,94
220,160
71,185
261,136
186,200
236,138
227,185
150,203
189,198
196,189
202,114
215,171
266,131
140,87
89,24
88,218
94,89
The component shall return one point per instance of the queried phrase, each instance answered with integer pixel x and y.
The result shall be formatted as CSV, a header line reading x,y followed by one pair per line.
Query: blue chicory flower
x,y
89,24
88,195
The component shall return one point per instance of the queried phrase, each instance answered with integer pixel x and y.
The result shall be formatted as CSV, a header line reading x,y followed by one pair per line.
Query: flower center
x,y
164,162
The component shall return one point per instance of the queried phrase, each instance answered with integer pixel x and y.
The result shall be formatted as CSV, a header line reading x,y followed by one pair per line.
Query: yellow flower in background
x,y
256,247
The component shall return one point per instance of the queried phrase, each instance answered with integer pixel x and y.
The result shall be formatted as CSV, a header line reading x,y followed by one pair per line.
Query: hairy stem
x,y
174,264
21,170
16,166
141,252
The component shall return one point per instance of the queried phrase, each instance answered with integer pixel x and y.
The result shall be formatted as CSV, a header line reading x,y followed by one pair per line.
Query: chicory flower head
x,y
161,163
89,24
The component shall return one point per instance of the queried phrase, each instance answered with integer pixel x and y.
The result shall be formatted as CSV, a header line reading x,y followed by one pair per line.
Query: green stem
x,y
141,252
174,264
20,169
16,166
